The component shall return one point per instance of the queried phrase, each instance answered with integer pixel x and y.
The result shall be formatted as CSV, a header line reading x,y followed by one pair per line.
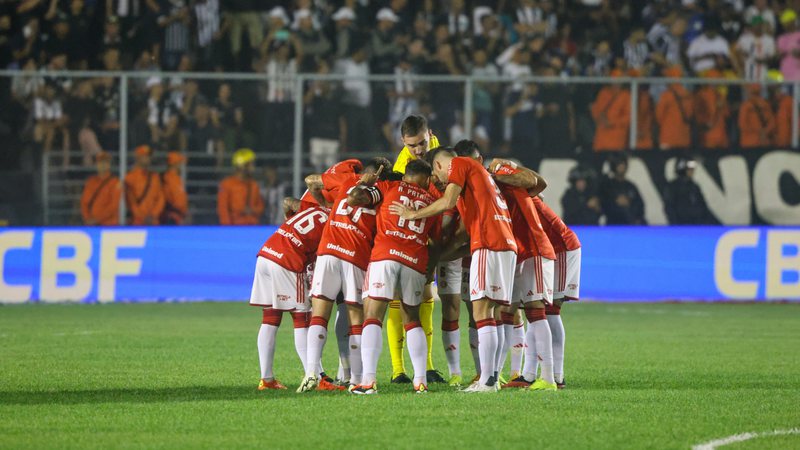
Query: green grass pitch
x,y
184,375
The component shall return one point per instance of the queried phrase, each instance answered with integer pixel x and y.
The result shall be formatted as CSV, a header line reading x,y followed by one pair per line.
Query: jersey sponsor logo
x,y
408,258
290,236
336,248
272,252
401,235
502,218
347,227
283,298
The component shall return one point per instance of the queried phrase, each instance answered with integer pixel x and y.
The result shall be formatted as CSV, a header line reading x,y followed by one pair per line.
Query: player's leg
x,y
301,321
501,341
263,294
326,285
537,323
517,344
371,344
352,289
567,287
411,286
449,287
396,337
553,313
342,329
505,328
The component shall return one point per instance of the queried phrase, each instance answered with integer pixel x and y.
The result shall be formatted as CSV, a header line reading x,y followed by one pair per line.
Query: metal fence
x,y
303,123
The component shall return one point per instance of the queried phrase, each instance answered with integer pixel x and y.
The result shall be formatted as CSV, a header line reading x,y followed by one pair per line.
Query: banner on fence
x,y
217,263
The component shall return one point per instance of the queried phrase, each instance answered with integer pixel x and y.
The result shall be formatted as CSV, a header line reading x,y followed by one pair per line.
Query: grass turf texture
x,y
185,375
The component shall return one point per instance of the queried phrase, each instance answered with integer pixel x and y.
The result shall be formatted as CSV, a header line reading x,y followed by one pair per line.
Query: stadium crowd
x,y
699,38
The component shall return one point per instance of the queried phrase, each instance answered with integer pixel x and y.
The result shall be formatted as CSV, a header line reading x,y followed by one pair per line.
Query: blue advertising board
x,y
216,263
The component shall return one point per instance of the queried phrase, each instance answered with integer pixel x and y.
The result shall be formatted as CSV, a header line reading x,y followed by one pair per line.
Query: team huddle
x,y
371,237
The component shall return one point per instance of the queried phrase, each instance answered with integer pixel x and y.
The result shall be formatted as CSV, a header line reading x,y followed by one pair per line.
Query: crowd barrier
x,y
216,263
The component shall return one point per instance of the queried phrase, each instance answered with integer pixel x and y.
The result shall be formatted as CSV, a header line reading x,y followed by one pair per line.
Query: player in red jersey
x,y
492,244
341,323
342,259
397,269
279,284
567,279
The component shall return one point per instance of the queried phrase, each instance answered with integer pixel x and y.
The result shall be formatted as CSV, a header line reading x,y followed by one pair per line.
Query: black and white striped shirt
x,y
176,33
635,54
207,16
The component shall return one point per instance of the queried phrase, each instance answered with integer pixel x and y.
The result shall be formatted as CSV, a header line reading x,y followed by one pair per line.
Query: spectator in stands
x,y
50,120
636,50
782,105
709,50
458,23
484,95
273,192
144,195
6,54
755,50
112,37
386,43
490,35
210,31
101,193
204,136
176,205
789,46
26,44
313,41
674,114
611,112
84,114
239,199
244,16
522,115
622,204
711,113
756,120
645,112
356,99
684,203
761,8
175,20
580,203
326,125
229,116
666,38
162,118
557,121
345,34
280,55
730,22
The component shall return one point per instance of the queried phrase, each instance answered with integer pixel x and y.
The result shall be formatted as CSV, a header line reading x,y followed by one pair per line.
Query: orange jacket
x,y
644,121
711,113
234,197
674,115
756,123
783,122
144,196
100,200
611,112
177,205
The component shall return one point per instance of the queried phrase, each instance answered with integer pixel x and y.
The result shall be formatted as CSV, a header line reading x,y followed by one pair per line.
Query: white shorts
x,y
492,275
533,280
448,277
333,275
278,287
389,280
568,275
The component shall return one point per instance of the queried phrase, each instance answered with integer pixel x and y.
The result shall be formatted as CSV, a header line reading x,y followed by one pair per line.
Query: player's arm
x,y
523,177
290,206
445,202
457,247
315,186
366,196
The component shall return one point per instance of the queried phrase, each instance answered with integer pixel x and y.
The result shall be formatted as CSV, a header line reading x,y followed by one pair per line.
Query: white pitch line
x,y
711,445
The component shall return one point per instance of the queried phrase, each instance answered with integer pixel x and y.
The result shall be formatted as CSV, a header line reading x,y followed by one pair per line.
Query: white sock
x,y
517,347
473,347
300,344
317,335
557,330
500,356
355,359
544,348
342,329
530,365
266,349
451,343
506,331
487,347
418,351
371,346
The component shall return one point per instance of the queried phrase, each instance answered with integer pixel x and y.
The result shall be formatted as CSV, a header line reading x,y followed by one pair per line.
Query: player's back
x,y
528,230
346,166
350,230
294,244
399,239
560,235
484,211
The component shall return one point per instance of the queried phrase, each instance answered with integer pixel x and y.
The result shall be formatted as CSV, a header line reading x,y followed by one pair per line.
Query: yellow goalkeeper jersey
x,y
405,155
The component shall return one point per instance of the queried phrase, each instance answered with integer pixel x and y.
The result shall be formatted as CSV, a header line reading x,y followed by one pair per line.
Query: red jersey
x,y
485,213
346,166
398,239
528,231
294,244
350,231
562,238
